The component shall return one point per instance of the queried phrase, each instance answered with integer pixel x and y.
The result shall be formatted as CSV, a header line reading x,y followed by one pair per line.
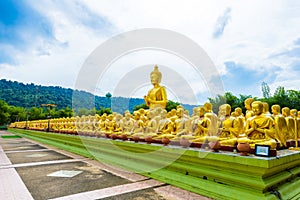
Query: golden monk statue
x,y
157,96
230,127
241,120
249,112
213,128
280,125
260,128
202,126
294,115
290,122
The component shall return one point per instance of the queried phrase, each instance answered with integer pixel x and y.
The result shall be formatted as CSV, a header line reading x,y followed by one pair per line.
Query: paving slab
x,y
42,185
9,141
171,192
125,189
2,132
12,187
146,194
21,146
29,156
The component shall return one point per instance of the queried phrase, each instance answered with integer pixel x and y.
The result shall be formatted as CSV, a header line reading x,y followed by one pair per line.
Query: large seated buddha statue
x,y
259,128
157,96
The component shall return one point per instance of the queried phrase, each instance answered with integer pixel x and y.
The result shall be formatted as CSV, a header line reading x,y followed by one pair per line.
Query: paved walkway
x,y
30,170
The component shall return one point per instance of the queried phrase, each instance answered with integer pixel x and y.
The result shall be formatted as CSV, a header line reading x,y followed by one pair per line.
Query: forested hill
x,y
30,95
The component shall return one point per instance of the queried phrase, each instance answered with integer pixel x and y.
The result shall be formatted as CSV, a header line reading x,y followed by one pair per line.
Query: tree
x,y
82,111
171,105
103,110
16,114
265,90
4,115
108,96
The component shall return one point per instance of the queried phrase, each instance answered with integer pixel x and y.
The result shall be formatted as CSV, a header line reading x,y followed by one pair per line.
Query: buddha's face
x,y
164,114
154,79
127,116
180,113
257,109
275,111
238,112
201,112
247,106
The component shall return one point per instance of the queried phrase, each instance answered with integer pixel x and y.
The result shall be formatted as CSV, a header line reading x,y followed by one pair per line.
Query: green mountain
x,y
31,95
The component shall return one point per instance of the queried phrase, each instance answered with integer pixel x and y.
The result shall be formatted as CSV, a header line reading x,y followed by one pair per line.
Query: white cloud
x,y
257,30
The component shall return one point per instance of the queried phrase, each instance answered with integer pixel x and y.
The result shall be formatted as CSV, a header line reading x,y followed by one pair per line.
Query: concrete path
x,y
30,170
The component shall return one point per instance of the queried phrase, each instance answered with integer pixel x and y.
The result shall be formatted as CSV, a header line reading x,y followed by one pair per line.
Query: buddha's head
x,y
155,76
286,111
293,112
201,111
248,102
257,107
110,117
127,115
207,107
180,112
164,113
238,111
266,107
225,110
275,109
136,115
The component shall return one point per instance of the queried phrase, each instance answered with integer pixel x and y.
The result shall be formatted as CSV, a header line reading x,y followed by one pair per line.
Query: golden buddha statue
x,y
260,128
230,126
241,120
213,128
157,96
294,114
127,124
280,125
249,112
266,109
202,126
110,124
163,123
290,122
151,126
182,123
195,118
138,125
118,118
168,130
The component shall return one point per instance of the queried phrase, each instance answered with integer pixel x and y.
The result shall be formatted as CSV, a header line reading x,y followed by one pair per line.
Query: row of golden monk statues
x,y
256,126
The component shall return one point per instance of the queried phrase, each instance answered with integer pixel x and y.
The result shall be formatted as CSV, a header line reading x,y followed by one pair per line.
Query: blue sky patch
x,y
221,23
238,78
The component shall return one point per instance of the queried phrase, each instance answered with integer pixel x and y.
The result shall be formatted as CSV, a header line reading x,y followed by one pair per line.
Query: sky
x,y
48,42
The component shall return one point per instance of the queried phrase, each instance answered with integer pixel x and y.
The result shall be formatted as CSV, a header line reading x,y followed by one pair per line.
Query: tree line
x,y
281,96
